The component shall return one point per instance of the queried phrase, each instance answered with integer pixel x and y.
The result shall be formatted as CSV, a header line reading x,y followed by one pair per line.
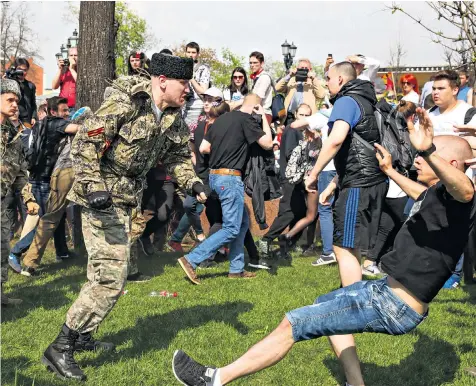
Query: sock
x,y
216,381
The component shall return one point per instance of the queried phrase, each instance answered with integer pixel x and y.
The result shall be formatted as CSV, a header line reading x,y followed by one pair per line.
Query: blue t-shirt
x,y
345,109
463,93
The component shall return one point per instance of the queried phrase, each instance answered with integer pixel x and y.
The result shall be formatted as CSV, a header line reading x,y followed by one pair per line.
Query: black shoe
x,y
259,264
208,263
147,245
138,277
191,373
312,251
59,358
85,342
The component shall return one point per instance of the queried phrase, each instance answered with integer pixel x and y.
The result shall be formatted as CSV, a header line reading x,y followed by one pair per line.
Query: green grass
x,y
219,320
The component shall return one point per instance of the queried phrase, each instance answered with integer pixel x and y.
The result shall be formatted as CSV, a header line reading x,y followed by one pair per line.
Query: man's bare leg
x,y
264,354
349,265
344,345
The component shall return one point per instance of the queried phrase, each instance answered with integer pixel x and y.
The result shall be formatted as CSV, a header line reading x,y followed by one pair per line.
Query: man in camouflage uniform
x,y
138,124
13,172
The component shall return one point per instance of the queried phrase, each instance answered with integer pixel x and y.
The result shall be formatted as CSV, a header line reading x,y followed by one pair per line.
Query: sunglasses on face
x,y
236,77
406,83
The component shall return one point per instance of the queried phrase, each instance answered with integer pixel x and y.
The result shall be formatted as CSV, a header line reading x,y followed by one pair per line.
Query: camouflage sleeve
x,y
21,183
95,136
179,165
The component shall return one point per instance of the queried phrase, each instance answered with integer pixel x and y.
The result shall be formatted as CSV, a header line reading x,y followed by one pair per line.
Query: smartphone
x,y
329,56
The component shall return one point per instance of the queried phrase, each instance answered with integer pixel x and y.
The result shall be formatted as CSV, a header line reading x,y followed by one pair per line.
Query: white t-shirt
x,y
443,123
237,96
412,96
264,90
318,122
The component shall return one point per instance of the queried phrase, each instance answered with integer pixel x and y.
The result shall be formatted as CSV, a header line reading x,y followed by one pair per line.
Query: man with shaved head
x,y
425,252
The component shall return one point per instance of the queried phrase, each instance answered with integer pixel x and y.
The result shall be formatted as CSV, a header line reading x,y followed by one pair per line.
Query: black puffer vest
x,y
355,164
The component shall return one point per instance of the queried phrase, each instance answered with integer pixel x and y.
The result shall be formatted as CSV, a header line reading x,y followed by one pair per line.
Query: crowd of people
x,y
390,183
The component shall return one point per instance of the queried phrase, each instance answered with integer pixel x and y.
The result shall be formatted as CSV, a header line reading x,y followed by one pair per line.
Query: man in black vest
x,y
362,186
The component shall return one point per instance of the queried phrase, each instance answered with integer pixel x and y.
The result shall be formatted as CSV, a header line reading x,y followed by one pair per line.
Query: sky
x,y
316,28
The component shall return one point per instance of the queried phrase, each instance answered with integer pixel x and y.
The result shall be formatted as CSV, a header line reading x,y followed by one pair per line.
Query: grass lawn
x,y
219,320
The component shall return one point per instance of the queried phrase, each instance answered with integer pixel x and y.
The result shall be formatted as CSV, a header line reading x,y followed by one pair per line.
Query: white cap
x,y
214,92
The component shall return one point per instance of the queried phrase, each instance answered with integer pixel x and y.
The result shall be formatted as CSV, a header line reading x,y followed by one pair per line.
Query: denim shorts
x,y
366,306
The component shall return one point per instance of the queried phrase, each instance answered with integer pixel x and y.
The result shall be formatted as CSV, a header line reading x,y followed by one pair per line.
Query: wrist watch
x,y
427,152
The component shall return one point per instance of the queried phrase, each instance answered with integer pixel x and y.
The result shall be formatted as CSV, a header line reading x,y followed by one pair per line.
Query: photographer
x,y
301,86
65,78
27,104
198,85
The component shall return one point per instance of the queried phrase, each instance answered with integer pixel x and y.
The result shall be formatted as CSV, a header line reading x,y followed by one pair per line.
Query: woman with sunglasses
x,y
410,88
238,89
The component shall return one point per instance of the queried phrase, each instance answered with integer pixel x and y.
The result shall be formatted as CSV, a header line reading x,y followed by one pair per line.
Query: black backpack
x,y
36,151
394,136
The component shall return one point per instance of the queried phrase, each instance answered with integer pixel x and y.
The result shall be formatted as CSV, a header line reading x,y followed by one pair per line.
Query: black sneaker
x,y
191,373
325,259
147,246
28,271
138,277
259,264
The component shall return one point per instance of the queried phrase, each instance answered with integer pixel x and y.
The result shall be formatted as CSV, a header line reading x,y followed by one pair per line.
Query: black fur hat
x,y
173,67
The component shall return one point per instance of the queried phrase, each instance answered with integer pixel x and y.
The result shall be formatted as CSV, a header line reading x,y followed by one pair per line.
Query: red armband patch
x,y
96,132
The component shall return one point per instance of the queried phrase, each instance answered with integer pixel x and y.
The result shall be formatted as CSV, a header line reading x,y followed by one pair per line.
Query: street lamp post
x,y
289,52
72,42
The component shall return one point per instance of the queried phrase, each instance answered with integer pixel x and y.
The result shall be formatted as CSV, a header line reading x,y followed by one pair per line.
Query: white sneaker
x,y
371,270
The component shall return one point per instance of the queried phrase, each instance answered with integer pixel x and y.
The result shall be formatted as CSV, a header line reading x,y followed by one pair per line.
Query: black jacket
x,y
289,140
261,182
356,164
27,104
51,149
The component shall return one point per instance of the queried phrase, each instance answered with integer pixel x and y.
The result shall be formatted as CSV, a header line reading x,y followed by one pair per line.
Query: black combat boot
x,y
59,358
85,342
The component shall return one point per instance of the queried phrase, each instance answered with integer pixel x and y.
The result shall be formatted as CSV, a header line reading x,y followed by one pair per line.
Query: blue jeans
x,y
231,193
41,191
365,306
325,213
459,267
191,217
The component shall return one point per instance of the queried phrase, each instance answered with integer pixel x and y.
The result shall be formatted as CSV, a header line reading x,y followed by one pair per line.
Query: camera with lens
x,y
301,74
66,62
13,73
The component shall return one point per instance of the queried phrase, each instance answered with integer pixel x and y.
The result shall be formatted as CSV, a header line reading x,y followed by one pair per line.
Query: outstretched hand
x,y
421,139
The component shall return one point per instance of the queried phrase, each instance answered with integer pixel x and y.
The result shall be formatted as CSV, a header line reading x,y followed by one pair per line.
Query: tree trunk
x,y
96,62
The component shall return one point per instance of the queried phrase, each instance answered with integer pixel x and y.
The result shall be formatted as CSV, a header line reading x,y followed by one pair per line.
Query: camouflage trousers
x,y
6,225
107,235
139,221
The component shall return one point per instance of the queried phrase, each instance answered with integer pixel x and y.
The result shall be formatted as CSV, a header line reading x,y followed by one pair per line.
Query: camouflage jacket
x,y
123,140
14,175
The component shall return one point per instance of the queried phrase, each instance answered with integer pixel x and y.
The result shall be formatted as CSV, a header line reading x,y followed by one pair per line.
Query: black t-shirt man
x,y
430,243
230,138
